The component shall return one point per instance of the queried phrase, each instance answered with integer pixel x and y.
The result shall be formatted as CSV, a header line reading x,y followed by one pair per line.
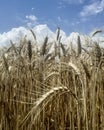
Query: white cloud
x,y
93,9
31,17
14,34
41,31
31,20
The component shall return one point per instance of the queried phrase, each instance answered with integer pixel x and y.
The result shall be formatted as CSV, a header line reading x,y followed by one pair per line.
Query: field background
x,y
51,86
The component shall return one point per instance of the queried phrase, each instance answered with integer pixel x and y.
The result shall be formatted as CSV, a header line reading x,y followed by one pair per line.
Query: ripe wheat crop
x,y
62,89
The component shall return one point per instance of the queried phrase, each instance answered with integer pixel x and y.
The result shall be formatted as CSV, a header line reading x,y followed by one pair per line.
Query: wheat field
x,y
51,87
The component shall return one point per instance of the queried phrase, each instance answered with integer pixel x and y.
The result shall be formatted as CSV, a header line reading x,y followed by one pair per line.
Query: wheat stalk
x,y
58,34
96,32
79,49
29,50
41,100
43,49
33,34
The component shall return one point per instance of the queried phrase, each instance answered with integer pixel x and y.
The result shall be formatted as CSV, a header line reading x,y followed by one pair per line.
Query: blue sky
x,y
70,15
